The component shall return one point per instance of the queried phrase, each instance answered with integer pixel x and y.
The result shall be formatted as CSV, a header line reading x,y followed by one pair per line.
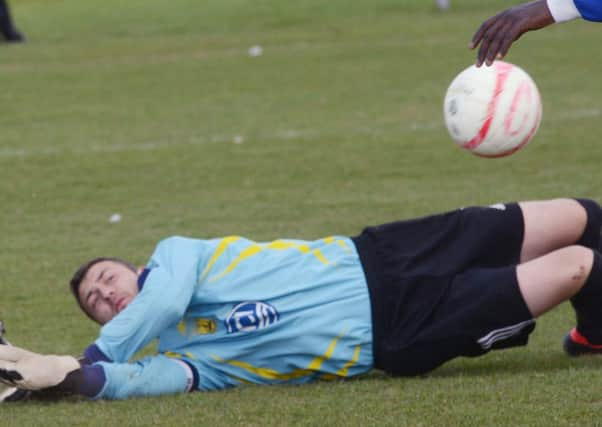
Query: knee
x,y
578,260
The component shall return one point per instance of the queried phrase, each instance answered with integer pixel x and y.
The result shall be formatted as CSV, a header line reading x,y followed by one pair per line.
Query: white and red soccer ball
x,y
492,111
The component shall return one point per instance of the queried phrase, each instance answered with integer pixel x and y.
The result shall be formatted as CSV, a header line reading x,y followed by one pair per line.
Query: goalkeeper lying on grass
x,y
403,297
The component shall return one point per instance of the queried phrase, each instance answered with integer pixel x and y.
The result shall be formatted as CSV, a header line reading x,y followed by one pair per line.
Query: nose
x,y
107,292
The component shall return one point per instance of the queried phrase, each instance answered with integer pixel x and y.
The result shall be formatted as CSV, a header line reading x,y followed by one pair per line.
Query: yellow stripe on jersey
x,y
344,371
316,364
182,328
226,241
321,257
344,245
174,355
257,248
241,380
265,373
341,243
305,249
312,367
246,253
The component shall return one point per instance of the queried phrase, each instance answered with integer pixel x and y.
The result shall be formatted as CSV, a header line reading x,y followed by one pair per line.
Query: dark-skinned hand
x,y
497,34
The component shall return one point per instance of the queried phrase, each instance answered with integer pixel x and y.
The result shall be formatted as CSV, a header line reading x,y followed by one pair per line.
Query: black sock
x,y
588,303
6,25
591,234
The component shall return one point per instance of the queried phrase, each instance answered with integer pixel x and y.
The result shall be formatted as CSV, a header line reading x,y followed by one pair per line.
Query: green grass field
x,y
136,108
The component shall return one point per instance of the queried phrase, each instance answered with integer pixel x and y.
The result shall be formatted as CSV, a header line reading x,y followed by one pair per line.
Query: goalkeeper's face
x,y
106,289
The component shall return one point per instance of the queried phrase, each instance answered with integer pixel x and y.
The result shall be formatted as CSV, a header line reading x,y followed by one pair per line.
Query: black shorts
x,y
444,286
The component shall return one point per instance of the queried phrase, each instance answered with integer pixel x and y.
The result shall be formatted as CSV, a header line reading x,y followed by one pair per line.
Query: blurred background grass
x,y
156,111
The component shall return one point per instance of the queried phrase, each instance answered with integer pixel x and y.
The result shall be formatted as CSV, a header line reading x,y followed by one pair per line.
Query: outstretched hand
x,y
31,371
497,34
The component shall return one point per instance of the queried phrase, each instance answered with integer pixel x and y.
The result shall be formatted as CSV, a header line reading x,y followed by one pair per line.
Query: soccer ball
x,y
492,111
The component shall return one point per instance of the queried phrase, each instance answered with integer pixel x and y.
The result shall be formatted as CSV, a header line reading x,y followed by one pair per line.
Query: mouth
x,y
121,304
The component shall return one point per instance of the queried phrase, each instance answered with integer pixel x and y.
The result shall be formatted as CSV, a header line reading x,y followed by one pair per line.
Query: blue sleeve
x,y
590,9
151,376
161,303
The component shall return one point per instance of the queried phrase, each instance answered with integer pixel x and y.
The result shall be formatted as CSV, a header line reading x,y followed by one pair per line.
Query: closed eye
x,y
89,298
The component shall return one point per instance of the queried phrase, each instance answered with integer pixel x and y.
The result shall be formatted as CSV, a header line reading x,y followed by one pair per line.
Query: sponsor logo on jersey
x,y
251,316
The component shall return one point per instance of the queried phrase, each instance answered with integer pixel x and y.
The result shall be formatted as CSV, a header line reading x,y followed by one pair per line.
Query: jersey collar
x,y
142,278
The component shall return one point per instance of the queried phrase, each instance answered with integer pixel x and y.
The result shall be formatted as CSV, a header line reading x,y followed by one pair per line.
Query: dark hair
x,y
81,272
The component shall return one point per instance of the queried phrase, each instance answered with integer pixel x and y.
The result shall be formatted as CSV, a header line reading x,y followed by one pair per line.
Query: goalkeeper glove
x,y
14,394
31,371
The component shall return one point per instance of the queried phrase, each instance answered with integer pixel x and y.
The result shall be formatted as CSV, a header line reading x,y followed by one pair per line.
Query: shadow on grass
x,y
518,363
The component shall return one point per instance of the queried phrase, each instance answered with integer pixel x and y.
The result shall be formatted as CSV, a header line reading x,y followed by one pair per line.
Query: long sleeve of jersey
x,y
565,10
151,376
161,303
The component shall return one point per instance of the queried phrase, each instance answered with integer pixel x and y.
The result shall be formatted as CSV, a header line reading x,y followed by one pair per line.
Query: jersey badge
x,y
205,326
250,316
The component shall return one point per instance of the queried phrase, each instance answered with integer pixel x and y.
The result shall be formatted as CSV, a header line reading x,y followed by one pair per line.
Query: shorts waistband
x,y
372,266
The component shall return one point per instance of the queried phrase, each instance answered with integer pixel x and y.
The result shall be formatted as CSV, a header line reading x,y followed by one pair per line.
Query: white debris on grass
x,y
115,218
255,50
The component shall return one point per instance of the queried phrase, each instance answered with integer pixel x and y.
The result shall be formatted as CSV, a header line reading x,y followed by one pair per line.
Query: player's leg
x,y
7,28
509,234
483,309
495,308
574,273
555,277
553,224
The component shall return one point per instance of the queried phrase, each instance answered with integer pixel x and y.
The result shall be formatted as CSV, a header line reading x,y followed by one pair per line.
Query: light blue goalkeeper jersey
x,y
236,311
